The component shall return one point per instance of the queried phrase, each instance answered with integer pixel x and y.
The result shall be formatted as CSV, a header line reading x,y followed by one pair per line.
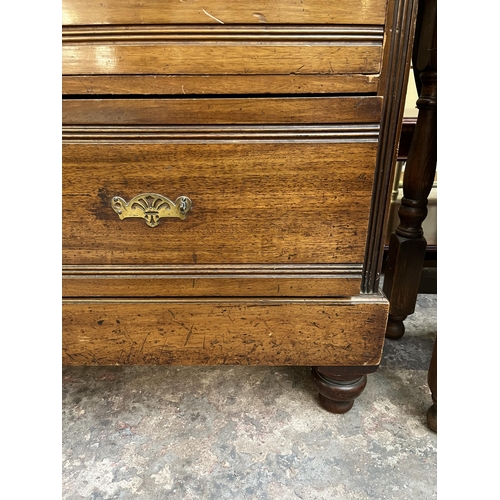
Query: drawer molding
x,y
218,269
192,134
211,280
171,33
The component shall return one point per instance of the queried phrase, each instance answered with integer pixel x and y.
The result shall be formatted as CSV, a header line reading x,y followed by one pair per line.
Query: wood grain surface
x,y
259,202
217,84
287,191
91,12
213,58
216,111
218,332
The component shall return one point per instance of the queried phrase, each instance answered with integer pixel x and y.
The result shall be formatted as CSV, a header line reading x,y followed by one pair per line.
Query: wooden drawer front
x,y
221,51
218,84
211,332
216,12
252,202
222,111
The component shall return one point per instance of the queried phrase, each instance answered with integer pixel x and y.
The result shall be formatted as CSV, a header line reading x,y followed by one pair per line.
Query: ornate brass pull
x,y
151,207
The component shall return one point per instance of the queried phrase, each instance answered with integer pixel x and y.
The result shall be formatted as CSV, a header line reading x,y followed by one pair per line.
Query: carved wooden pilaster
x,y
400,26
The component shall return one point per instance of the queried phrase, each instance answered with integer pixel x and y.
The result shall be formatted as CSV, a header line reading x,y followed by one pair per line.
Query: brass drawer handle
x,y
151,207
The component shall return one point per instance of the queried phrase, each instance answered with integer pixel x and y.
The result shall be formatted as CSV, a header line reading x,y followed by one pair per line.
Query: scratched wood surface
x,y
219,59
214,332
259,202
216,84
214,111
88,12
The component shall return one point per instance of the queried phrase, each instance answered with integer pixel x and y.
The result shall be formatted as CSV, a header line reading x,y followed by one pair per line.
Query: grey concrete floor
x,y
251,432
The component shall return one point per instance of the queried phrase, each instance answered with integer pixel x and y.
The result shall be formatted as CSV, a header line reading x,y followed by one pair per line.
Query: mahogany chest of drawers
x,y
226,173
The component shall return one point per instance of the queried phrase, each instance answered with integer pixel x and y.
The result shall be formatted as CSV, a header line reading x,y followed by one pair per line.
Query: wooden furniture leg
x,y
407,244
432,381
338,387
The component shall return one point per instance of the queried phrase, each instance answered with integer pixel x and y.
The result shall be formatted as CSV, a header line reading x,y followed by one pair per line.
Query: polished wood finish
x,y
221,60
217,12
217,84
279,121
222,111
192,58
217,332
407,244
252,203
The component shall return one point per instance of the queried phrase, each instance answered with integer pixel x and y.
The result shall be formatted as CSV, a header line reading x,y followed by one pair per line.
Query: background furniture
x,y
227,171
407,249
407,245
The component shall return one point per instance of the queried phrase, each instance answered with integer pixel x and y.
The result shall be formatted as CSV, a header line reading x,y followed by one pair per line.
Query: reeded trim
x,y
394,81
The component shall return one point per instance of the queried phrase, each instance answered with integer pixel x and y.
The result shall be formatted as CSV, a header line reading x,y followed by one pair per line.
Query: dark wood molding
x,y
300,270
356,34
212,280
397,56
249,133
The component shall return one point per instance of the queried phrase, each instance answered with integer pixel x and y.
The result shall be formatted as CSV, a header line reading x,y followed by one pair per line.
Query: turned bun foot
x,y
395,327
337,393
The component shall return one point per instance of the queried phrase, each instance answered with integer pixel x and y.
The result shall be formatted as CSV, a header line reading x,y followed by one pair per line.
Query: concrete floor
x,y
251,432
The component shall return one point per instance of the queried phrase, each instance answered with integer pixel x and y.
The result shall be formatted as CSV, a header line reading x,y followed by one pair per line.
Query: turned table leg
x,y
407,245
338,387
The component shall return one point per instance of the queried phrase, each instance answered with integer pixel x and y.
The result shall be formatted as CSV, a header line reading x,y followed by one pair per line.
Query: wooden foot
x,y
338,387
395,327
403,270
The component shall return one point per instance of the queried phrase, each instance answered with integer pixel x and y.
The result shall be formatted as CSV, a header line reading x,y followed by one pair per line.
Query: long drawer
x,y
273,210
221,51
222,111
215,12
261,201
